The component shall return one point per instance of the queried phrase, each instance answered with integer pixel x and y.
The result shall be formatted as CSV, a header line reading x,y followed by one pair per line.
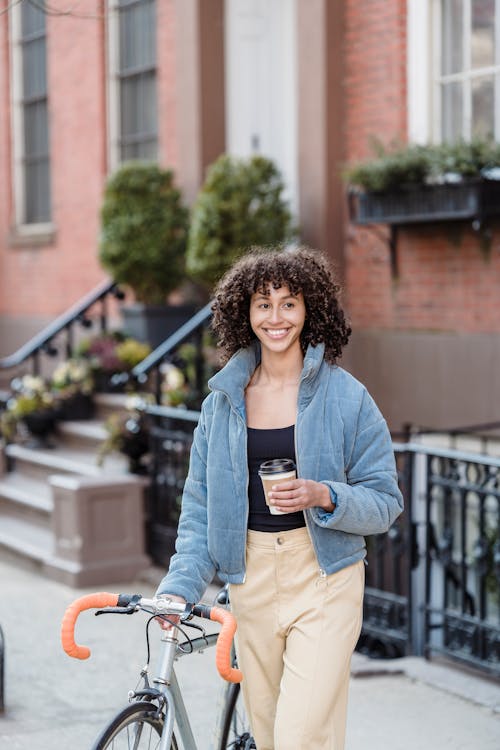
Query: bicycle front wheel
x,y
134,728
235,725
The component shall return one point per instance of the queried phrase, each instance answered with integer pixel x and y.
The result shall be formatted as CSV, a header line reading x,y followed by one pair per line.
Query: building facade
x,y
310,84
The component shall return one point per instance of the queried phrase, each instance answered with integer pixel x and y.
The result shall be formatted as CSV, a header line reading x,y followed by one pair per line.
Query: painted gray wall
x,y
431,379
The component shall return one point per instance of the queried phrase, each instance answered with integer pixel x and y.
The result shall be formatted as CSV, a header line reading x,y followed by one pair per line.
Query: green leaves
x,y
144,231
418,165
239,206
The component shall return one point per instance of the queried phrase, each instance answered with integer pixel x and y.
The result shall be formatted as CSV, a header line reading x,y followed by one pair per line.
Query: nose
x,y
275,315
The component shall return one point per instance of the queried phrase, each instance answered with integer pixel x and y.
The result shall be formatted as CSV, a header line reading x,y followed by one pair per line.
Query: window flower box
x,y
477,199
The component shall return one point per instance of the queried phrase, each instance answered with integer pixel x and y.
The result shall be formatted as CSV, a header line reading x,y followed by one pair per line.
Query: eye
x,y
288,305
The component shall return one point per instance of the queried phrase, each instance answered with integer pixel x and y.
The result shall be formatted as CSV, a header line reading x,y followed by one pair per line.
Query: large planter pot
x,y
79,406
40,425
153,324
472,199
135,445
104,382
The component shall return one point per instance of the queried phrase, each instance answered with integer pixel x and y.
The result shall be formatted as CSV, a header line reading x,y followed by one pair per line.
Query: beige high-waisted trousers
x,y
297,630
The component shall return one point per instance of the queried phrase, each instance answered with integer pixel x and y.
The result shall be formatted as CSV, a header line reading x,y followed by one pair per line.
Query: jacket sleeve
x,y
191,568
369,501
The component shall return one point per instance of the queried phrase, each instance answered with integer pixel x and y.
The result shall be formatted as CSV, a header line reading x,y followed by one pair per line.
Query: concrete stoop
x,y
77,522
98,526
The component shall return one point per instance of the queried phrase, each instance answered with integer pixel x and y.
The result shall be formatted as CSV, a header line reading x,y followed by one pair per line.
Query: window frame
x,y
23,230
114,80
424,22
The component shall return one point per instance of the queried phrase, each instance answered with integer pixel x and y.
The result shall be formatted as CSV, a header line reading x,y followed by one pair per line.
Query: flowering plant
x,y
174,388
30,395
128,432
71,376
112,352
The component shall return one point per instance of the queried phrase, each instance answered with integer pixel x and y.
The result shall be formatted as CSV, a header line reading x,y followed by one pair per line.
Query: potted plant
x,y
72,384
32,407
416,183
143,245
240,205
109,355
128,433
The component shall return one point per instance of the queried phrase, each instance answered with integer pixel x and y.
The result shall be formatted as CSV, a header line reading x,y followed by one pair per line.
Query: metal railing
x,y
190,332
432,581
46,341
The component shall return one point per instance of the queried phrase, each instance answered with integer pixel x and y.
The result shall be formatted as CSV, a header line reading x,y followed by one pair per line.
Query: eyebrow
x,y
261,295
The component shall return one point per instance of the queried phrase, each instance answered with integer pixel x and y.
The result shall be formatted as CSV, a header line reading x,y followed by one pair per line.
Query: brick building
x,y
306,83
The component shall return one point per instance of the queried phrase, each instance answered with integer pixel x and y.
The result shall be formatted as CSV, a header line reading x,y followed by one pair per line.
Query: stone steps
x,y
40,463
25,539
78,521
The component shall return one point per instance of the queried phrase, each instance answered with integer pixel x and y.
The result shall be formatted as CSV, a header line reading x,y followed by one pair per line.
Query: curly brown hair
x,y
301,270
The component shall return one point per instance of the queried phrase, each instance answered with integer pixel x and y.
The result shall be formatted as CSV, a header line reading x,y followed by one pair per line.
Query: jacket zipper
x,y
246,493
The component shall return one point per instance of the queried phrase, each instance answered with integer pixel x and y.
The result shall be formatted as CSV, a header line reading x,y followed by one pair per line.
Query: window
x,y
31,125
134,88
454,89
469,69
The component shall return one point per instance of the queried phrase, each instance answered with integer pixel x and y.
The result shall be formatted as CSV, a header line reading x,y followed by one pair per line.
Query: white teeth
x,y
277,332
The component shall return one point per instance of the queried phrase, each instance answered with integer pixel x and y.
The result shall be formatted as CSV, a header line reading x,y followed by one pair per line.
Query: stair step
x,y
41,463
25,491
26,539
85,434
108,403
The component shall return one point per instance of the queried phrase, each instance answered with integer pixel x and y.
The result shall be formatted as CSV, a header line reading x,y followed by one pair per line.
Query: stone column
x,y
98,526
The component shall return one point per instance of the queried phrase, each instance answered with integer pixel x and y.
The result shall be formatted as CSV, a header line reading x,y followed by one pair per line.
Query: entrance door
x,y
261,84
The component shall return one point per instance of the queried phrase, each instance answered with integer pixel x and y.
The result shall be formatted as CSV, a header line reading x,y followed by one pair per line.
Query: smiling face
x,y
277,318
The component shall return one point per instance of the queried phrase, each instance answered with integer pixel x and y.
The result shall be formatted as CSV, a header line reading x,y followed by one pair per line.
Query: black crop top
x,y
262,445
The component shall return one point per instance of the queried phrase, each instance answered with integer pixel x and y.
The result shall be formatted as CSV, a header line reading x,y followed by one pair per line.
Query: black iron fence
x,y
171,437
462,563
387,617
433,581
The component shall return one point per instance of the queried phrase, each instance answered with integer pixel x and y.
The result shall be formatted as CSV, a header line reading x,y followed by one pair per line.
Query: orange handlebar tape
x,y
90,601
224,641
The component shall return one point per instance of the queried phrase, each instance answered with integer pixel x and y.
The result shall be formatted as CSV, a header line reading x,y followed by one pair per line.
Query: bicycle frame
x,y
163,694
167,683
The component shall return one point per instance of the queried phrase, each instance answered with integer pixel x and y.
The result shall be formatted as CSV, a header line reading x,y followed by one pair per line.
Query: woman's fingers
x,y
299,494
291,496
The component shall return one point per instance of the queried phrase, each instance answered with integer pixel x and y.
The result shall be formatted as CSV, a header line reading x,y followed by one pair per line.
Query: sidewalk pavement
x,y
54,703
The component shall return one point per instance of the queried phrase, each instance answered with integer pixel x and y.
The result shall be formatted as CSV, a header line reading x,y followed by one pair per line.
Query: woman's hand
x,y
299,494
174,619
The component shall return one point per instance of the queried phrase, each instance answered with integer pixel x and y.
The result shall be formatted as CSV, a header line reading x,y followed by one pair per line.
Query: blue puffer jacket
x,y
341,440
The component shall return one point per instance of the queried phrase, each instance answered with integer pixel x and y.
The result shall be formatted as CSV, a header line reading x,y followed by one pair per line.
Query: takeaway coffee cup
x,y
272,472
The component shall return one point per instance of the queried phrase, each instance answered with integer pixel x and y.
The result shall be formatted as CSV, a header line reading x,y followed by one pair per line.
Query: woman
x,y
296,578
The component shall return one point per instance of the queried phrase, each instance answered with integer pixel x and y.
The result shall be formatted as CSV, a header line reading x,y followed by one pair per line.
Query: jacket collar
x,y
235,375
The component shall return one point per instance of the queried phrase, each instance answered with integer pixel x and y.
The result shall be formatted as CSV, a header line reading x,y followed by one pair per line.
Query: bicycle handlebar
x,y
224,641
91,601
103,599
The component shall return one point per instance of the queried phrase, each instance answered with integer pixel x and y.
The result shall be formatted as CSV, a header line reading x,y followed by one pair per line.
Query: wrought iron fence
x,y
433,580
391,558
171,436
462,563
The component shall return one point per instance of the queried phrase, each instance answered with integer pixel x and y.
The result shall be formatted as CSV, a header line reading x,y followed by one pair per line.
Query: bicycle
x,y
147,723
